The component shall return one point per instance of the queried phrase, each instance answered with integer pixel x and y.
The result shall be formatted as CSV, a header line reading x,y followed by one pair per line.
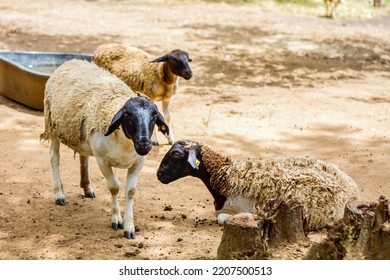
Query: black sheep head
x,y
137,119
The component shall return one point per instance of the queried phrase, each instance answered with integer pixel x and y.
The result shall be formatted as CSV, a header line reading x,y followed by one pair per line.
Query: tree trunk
x,y
333,247
241,238
288,225
364,233
251,236
379,248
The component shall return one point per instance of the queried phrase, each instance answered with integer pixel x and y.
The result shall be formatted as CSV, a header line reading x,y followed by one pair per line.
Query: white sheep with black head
x,y
238,185
96,114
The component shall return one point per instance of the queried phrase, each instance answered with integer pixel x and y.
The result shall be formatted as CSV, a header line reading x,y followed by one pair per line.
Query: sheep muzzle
x,y
143,146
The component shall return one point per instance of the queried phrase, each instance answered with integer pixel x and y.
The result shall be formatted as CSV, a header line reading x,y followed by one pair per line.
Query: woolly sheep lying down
x,y
155,77
237,185
94,113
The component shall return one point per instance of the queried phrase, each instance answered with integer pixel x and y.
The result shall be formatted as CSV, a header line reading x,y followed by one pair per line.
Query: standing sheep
x,y
238,185
159,81
377,3
330,7
94,113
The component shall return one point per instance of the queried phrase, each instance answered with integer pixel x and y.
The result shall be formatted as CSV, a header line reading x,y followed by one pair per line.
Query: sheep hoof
x,y
129,235
222,218
60,201
116,226
90,195
155,143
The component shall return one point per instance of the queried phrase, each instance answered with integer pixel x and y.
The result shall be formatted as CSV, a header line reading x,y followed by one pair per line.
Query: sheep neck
x,y
214,175
168,77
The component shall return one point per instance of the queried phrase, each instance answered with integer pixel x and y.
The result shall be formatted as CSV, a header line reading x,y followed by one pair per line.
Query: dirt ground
x,y
266,82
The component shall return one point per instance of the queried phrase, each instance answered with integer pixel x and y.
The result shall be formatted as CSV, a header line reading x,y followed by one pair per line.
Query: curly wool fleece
x,y
320,187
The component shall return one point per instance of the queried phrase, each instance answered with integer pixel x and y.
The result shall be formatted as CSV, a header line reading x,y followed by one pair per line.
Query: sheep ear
x,y
116,122
192,160
163,58
162,125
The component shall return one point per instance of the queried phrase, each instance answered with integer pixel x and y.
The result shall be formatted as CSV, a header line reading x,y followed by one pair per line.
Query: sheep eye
x,y
176,155
177,61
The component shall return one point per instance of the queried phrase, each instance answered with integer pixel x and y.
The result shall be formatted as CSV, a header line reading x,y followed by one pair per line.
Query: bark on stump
x,y
379,248
241,237
289,224
359,216
333,247
373,241
364,233
252,236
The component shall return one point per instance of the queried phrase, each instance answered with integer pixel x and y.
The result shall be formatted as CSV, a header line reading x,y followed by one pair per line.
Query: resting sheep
x,y
94,113
237,185
159,81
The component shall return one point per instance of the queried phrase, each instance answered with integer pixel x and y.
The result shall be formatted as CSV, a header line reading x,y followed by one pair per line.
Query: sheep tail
x,y
46,134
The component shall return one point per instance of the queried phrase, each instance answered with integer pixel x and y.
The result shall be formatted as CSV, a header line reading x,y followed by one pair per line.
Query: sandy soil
x,y
266,82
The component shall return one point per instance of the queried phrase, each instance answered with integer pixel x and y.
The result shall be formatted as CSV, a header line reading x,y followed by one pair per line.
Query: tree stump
x,y
358,215
355,212
379,242
241,238
251,236
333,247
379,248
361,247
364,233
382,212
288,225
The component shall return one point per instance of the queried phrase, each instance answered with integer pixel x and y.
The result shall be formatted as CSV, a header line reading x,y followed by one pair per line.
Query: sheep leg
x,y
167,117
333,10
85,182
327,10
54,152
113,186
131,183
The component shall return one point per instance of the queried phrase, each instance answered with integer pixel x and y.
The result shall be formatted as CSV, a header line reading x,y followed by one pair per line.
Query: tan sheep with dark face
x,y
238,185
331,6
156,78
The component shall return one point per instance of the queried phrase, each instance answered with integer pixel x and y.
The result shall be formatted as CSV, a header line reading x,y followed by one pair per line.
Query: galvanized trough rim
x,y
27,69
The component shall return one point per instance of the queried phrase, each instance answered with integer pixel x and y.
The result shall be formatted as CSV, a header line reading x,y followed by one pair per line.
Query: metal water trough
x,y
23,75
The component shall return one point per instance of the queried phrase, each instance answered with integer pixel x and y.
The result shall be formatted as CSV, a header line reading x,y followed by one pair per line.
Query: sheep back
x,y
81,98
134,67
320,187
